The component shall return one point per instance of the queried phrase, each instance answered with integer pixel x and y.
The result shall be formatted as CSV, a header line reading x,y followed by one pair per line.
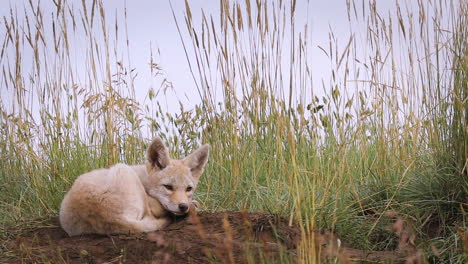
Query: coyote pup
x,y
135,198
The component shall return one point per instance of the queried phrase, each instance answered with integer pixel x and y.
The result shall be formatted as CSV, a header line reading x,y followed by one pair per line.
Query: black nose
x,y
183,207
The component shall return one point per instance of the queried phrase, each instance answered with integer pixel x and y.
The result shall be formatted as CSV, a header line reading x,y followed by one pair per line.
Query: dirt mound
x,y
219,237
226,237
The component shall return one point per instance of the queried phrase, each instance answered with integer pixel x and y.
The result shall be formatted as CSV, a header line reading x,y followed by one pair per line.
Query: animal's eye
x,y
169,187
189,189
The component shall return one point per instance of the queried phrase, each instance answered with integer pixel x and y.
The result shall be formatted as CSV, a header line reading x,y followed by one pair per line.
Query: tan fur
x,y
136,198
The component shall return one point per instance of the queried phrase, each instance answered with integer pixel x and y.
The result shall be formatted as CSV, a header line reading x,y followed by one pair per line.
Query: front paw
x,y
165,221
195,206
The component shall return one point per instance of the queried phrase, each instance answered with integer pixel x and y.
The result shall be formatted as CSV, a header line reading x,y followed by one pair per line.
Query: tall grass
x,y
383,139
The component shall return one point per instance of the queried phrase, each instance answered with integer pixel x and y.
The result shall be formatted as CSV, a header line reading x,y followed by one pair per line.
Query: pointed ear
x,y
197,160
158,155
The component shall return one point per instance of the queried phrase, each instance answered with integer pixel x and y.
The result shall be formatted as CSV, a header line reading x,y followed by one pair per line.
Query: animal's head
x,y
173,182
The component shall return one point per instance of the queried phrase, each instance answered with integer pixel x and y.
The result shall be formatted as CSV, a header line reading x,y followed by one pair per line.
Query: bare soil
x,y
223,237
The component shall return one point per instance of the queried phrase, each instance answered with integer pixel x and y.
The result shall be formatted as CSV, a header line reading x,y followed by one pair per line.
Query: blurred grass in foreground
x,y
386,142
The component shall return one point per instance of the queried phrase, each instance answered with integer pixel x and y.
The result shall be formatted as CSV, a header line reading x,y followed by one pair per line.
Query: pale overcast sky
x,y
151,23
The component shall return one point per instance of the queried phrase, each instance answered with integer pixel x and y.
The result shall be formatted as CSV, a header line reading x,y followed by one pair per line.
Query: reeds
x,y
386,133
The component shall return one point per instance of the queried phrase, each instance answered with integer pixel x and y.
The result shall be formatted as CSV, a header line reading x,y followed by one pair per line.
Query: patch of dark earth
x,y
221,237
